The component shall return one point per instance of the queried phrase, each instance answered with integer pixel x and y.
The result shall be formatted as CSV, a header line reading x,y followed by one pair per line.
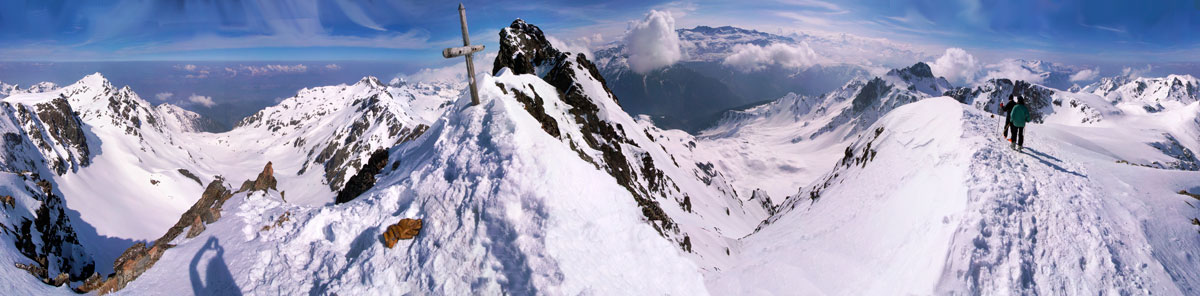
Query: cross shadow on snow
x,y
217,279
1042,158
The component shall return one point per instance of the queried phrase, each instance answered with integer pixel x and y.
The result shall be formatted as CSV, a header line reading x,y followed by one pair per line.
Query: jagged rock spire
x,y
522,48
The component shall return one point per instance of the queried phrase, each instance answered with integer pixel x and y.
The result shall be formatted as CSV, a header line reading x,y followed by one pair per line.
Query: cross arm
x,y
461,51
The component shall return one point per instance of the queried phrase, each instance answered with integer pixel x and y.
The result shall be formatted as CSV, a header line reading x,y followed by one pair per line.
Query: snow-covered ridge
x,y
1147,94
335,128
12,89
930,196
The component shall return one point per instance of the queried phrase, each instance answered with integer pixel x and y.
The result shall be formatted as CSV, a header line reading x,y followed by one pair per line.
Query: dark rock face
x,y
49,240
365,178
522,48
919,70
45,126
870,93
65,127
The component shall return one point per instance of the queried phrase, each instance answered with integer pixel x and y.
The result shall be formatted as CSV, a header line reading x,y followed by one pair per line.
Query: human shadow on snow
x,y
1042,158
217,280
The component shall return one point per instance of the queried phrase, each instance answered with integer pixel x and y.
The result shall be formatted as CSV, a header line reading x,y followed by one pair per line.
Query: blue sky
x,y
1086,31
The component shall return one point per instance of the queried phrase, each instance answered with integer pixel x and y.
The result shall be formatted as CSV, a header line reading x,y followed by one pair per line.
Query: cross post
x,y
466,50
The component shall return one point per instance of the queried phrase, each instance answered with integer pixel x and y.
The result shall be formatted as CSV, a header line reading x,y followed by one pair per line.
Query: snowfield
x,y
945,207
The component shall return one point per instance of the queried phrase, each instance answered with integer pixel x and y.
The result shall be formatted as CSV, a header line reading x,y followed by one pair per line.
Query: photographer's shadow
x,y
217,278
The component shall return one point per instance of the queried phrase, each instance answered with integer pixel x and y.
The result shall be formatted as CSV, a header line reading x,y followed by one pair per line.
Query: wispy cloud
x,y
163,96
814,4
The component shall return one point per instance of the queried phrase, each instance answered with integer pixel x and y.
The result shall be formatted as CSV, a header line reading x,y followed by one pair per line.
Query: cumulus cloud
x,y
750,57
163,96
956,65
652,42
333,67
1085,75
202,100
581,45
1014,70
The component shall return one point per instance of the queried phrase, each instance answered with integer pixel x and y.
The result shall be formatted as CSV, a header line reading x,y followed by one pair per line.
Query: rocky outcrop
x,y
49,239
365,178
266,180
405,229
66,128
188,174
523,47
53,129
763,200
140,257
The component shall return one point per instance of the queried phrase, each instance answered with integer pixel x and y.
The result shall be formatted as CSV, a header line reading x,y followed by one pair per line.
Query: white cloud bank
x,y
960,67
652,43
750,57
1014,70
581,45
202,100
1086,75
956,65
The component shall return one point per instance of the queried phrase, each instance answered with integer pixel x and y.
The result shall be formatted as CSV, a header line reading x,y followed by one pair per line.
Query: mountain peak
x,y
523,46
920,69
370,81
95,79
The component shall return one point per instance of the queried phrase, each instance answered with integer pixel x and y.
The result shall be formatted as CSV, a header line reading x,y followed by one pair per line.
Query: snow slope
x,y
939,205
788,143
504,212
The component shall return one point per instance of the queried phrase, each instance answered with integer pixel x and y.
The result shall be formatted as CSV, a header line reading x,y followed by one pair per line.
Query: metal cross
x,y
467,49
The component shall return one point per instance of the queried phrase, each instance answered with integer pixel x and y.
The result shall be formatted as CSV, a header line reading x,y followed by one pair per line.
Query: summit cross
x,y
466,50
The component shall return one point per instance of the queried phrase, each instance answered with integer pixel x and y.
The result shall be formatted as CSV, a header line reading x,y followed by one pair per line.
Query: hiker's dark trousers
x,y
1007,125
1018,135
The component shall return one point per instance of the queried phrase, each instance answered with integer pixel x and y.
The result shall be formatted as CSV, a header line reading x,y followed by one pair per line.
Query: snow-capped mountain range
x,y
891,183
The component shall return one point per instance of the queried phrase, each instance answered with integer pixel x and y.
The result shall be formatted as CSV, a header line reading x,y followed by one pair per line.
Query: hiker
x,y
1019,116
1007,107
